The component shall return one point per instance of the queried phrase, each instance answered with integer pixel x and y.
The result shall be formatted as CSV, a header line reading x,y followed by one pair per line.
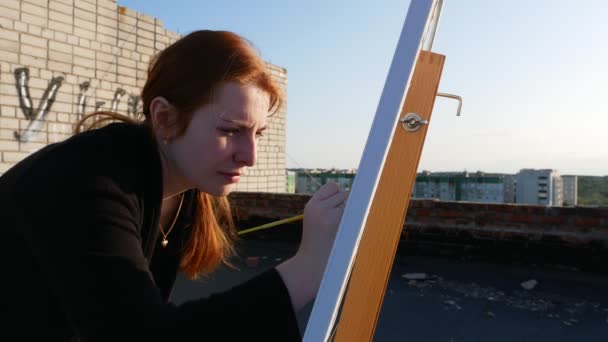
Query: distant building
x,y
290,186
570,184
539,187
528,186
475,187
309,181
509,182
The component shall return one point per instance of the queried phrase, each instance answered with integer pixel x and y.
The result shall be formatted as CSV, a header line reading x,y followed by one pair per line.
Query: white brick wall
x,y
110,47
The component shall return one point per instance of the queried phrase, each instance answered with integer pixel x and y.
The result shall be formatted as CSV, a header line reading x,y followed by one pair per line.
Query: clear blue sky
x,y
533,76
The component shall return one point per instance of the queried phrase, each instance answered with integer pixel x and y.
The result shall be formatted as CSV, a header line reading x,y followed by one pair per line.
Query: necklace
x,y
165,242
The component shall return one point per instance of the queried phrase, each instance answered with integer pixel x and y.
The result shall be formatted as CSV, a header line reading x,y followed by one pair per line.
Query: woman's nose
x,y
246,153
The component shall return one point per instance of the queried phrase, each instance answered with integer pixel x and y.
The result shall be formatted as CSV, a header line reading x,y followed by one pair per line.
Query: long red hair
x,y
186,74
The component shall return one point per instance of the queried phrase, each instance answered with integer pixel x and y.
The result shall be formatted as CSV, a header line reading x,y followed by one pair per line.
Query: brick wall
x,y
100,51
491,230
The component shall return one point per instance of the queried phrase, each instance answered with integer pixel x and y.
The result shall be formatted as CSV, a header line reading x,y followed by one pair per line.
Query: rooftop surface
x,y
446,299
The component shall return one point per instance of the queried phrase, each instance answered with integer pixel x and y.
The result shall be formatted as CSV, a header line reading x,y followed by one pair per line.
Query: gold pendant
x,y
164,243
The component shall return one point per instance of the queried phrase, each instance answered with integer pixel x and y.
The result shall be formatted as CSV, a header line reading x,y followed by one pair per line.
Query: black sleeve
x,y
87,243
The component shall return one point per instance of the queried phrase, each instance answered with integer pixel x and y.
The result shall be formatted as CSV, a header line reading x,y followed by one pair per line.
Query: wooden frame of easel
x,y
362,256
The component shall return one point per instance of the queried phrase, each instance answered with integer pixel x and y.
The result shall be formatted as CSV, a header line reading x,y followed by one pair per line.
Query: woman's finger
x,y
325,191
336,199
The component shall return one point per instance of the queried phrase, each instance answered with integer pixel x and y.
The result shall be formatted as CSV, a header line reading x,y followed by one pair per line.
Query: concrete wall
x,y
568,234
96,51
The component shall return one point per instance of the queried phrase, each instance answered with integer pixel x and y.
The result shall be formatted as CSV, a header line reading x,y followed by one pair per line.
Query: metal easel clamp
x,y
412,122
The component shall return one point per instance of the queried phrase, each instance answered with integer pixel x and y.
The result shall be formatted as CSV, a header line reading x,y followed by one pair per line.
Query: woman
x,y
97,227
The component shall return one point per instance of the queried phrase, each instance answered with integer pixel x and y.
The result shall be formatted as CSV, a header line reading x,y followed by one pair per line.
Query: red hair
x,y
187,73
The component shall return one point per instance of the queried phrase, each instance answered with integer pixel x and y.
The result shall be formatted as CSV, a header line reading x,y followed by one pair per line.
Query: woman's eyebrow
x,y
243,124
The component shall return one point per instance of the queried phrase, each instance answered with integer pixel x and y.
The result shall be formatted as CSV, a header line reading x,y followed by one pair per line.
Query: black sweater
x,y
81,257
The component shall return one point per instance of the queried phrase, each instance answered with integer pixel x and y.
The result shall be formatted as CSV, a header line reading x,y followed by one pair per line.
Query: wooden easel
x,y
363,253
384,225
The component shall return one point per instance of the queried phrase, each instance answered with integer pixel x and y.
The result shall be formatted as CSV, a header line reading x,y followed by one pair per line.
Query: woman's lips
x,y
232,177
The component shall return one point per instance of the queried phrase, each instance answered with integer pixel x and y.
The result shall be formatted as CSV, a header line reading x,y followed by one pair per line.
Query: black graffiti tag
x,y
37,118
22,76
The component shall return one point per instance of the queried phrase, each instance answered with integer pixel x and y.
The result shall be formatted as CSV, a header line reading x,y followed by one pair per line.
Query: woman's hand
x,y
322,215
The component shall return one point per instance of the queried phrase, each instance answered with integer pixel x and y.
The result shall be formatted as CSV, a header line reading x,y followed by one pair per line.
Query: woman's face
x,y
221,140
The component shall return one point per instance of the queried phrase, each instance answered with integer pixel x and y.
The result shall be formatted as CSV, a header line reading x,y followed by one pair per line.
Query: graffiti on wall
x,y
36,118
22,76
132,104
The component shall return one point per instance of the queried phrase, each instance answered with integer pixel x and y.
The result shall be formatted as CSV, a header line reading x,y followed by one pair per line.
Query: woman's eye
x,y
229,131
234,131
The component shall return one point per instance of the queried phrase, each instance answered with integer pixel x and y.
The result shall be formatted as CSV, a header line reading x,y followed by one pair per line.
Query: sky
x,y
533,76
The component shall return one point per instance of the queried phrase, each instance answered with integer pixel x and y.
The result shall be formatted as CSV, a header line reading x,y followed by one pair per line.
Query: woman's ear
x,y
163,116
